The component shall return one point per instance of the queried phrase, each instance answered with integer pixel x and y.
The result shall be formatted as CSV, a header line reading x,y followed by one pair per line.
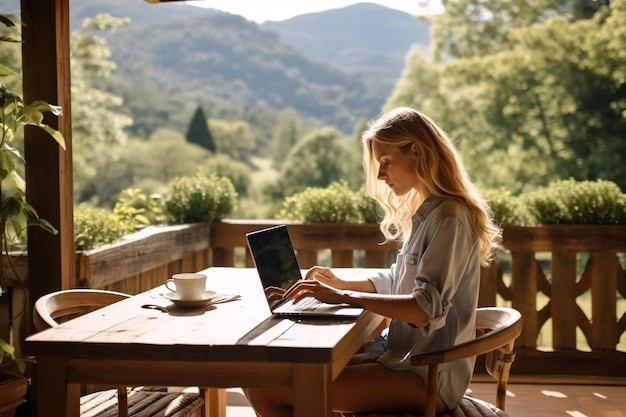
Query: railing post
x,y
342,258
605,271
563,298
489,277
524,295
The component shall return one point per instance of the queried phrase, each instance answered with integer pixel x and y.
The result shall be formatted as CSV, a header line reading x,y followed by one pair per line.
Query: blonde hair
x,y
439,169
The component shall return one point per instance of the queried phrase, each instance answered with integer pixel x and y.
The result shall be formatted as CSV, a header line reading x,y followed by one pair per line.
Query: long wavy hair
x,y
439,169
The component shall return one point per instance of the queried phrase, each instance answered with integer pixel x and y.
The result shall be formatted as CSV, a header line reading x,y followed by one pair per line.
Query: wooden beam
x,y
46,76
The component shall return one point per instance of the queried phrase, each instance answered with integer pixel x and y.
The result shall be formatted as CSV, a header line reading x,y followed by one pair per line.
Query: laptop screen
x,y
274,256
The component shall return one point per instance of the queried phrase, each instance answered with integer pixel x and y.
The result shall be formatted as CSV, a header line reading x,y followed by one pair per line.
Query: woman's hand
x,y
313,288
326,277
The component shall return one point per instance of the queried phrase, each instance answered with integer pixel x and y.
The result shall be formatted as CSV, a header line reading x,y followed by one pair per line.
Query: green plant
x,y
15,212
95,226
333,204
577,202
135,208
224,166
200,198
507,208
369,209
9,361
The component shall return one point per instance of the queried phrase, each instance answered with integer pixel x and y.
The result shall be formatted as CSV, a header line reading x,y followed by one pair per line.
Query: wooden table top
x,y
241,330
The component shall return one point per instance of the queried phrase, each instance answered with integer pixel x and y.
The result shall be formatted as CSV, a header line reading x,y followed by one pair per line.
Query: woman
x,y
430,293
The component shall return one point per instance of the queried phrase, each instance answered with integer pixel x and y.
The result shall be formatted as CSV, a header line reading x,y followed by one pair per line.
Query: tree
x,y
198,131
285,136
359,128
317,160
471,28
543,104
223,166
164,156
97,122
234,139
553,101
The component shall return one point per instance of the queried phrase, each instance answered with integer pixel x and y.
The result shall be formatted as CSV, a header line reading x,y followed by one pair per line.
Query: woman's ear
x,y
414,149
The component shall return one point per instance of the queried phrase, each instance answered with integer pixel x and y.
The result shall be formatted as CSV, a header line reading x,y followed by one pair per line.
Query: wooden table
x,y
234,344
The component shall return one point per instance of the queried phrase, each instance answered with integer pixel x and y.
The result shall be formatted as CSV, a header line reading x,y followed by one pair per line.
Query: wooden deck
x,y
523,400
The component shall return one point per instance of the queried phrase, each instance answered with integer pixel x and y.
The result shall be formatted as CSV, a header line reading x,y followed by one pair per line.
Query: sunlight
x,y
555,394
576,413
430,7
597,394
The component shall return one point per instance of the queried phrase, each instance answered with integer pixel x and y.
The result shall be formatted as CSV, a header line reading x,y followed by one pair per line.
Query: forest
x,y
530,94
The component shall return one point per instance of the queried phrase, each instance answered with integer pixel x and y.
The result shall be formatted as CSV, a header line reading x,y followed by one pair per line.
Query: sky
x,y
260,11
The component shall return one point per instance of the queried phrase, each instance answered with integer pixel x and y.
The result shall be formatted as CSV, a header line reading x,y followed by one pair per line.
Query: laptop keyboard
x,y
306,304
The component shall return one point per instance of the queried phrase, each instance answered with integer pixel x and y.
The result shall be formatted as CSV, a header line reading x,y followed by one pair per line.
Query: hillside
x,y
366,38
218,57
172,57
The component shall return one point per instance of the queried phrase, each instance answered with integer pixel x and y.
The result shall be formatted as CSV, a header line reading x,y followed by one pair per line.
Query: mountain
x,y
335,67
365,38
219,57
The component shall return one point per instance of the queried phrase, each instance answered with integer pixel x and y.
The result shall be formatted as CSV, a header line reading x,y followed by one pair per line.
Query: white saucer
x,y
207,297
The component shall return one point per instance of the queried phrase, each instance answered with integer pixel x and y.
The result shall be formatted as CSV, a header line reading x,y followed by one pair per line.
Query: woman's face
x,y
396,168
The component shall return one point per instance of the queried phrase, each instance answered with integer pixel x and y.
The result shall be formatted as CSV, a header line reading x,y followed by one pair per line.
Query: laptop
x,y
277,265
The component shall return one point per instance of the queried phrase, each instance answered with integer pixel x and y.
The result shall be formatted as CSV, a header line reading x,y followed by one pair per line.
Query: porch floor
x,y
523,400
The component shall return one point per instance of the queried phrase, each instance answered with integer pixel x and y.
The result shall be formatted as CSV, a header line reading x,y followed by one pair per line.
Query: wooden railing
x,y
569,278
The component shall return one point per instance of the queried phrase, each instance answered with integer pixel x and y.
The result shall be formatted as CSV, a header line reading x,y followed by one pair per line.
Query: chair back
x,y
57,307
496,328
500,326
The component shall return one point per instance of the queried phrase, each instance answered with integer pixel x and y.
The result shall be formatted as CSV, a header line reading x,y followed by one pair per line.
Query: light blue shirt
x,y
440,265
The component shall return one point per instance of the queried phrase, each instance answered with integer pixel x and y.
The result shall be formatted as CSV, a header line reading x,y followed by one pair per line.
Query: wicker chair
x,y
497,328
55,308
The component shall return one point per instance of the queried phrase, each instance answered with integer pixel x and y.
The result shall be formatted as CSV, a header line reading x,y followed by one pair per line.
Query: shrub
x,y
333,204
369,209
577,202
134,208
507,208
201,198
224,166
95,226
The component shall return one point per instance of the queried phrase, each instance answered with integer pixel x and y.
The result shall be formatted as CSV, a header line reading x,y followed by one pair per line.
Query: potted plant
x,y
13,381
15,213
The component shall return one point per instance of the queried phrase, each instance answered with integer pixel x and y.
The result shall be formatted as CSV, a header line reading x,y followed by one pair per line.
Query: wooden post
x,y
46,70
604,276
342,258
564,307
489,277
524,299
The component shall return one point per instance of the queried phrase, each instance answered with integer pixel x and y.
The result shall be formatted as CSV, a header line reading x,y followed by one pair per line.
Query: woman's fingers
x,y
313,288
317,271
301,289
322,274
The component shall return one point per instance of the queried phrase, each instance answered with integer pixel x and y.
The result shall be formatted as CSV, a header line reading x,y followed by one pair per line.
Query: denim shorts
x,y
376,347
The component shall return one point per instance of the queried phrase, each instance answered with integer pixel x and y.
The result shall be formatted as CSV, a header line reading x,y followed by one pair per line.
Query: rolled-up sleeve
x,y
430,300
383,281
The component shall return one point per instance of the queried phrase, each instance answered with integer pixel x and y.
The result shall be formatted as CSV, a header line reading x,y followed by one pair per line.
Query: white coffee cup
x,y
187,285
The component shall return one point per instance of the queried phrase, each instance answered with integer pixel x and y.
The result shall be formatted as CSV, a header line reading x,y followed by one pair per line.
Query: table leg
x,y
214,402
53,395
312,395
